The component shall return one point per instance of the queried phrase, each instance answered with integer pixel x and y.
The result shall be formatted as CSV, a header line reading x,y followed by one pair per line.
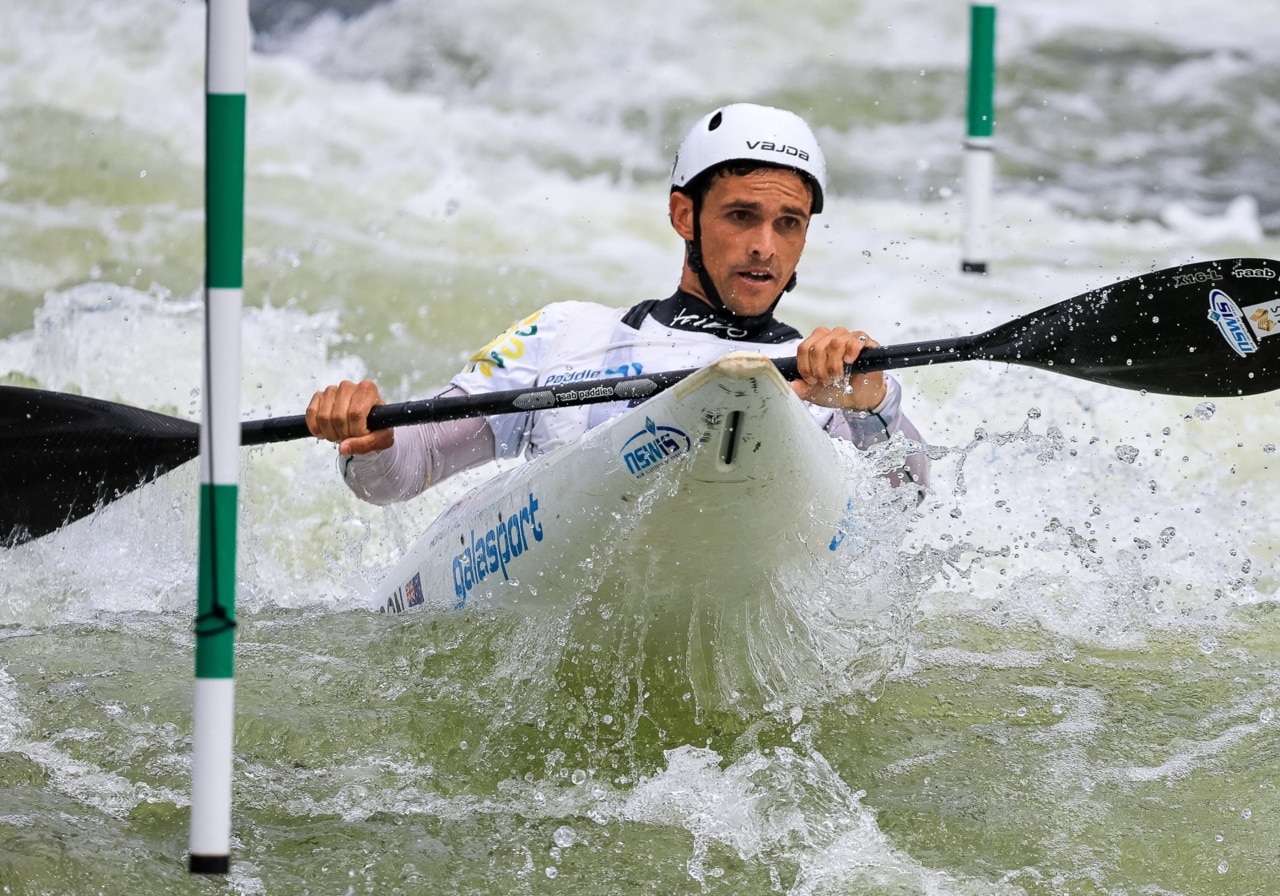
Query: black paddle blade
x,y
1210,329
66,455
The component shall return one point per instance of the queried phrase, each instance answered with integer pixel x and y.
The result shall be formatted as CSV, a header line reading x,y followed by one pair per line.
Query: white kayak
x,y
715,483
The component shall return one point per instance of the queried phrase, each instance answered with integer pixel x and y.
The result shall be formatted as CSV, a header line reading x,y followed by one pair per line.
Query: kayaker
x,y
745,184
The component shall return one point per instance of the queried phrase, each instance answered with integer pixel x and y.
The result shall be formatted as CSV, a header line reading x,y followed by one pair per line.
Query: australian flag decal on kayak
x,y
1230,320
407,596
652,447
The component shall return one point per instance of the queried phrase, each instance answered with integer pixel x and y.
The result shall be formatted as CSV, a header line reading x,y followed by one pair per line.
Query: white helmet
x,y
747,132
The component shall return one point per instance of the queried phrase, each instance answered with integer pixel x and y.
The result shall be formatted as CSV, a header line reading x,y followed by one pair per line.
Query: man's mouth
x,y
756,276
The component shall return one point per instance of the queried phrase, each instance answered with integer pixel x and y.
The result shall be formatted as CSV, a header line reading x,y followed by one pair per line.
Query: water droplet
x,y
552,871
1127,453
1267,716
565,836
1034,413
1222,867
1205,410
579,776
1268,448
1208,644
1247,814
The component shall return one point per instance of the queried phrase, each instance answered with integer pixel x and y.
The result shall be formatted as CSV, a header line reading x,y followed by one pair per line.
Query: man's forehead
x,y
752,186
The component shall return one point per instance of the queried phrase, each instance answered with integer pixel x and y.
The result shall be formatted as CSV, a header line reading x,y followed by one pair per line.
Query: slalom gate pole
x,y
979,148
214,717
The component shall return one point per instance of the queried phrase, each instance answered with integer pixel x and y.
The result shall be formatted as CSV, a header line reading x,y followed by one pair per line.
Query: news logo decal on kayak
x,y
654,446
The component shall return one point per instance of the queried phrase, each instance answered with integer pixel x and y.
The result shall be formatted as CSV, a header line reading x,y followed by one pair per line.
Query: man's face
x,y
753,231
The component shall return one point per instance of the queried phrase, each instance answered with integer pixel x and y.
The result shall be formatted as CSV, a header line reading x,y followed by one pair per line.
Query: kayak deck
x,y
708,484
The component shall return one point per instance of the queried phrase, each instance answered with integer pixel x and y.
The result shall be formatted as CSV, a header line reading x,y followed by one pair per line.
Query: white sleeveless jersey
x,y
569,342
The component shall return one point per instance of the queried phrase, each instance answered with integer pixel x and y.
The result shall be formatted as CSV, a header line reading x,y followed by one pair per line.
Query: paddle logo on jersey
x,y
652,447
1231,321
624,370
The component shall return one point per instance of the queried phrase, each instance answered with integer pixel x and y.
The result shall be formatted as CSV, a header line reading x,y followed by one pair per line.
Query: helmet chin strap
x,y
694,249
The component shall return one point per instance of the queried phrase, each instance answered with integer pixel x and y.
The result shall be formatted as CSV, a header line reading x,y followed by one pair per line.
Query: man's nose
x,y
762,242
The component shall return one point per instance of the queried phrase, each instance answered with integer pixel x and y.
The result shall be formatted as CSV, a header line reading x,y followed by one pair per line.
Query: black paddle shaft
x,y
1201,329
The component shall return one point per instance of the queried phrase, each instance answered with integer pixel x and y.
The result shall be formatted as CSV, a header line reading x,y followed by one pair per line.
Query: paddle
x,y
1198,329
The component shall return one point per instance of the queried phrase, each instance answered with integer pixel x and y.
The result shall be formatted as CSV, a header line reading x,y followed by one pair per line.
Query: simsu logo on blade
x,y
1231,321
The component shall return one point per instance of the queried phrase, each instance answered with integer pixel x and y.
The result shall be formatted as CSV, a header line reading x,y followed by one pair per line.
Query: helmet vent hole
x,y
714,122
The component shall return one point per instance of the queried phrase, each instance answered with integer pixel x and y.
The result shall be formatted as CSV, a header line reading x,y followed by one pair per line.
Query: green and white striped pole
x,y
228,52
979,149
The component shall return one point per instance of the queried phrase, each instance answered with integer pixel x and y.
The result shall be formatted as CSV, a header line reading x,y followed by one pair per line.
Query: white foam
x,y
1239,223
783,804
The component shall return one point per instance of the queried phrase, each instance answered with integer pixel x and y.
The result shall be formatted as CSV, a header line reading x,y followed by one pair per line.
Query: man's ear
x,y
681,208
